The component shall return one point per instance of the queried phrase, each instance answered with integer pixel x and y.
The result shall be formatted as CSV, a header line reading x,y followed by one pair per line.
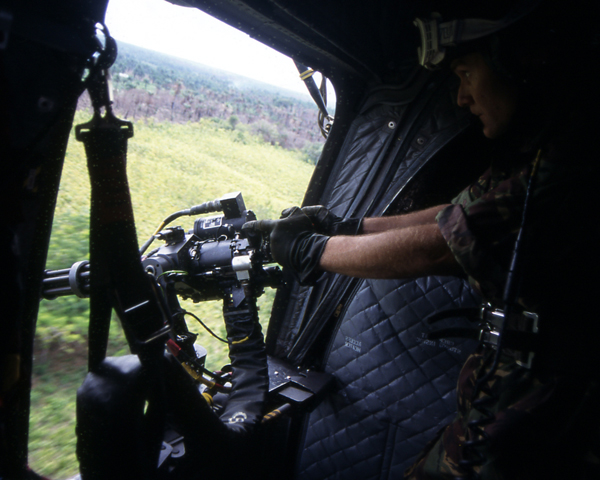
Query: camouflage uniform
x,y
539,422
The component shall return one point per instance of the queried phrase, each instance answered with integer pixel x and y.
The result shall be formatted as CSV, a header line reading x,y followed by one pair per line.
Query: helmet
x,y
436,35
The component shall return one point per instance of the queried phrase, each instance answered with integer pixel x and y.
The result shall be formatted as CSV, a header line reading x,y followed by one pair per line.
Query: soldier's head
x,y
485,93
515,61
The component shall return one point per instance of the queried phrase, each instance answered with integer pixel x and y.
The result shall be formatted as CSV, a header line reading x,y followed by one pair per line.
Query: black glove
x,y
326,222
294,243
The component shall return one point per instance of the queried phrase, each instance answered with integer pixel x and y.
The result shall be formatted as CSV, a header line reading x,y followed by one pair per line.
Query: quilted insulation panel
x,y
395,388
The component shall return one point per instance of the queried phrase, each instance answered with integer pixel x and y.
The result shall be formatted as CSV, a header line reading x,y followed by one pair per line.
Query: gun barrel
x,y
67,281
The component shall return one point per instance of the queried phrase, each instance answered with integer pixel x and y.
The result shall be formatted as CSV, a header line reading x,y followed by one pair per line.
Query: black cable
x,y
510,296
511,287
185,312
206,207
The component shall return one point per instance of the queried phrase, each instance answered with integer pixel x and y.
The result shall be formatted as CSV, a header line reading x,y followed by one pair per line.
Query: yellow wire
x,y
160,227
235,342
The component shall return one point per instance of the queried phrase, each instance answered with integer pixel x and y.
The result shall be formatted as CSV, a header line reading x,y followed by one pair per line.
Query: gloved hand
x,y
294,243
328,223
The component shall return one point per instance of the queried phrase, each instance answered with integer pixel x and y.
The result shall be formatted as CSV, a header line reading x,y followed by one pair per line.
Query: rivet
x,y
392,125
420,140
45,105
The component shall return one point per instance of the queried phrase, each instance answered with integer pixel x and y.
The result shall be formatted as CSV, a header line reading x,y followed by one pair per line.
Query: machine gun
x,y
216,260
201,263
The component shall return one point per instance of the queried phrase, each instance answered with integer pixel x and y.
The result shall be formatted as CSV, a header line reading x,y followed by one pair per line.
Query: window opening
x,y
201,131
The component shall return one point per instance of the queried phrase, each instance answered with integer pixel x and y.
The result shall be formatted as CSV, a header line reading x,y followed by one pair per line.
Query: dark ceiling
x,y
371,39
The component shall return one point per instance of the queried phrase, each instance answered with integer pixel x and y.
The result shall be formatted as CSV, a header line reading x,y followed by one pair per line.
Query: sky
x,y
194,35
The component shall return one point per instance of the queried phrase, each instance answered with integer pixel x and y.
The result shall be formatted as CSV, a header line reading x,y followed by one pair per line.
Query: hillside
x,y
149,84
170,167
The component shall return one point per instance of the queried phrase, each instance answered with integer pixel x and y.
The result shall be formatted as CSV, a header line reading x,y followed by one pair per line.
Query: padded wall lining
x,y
395,388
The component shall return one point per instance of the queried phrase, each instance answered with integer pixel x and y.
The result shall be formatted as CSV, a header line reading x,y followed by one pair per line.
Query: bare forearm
x,y
408,252
382,224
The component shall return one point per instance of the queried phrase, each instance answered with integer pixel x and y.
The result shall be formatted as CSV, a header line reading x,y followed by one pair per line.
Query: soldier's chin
x,y
494,130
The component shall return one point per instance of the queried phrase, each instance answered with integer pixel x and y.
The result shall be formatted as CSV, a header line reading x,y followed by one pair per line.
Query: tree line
x,y
148,84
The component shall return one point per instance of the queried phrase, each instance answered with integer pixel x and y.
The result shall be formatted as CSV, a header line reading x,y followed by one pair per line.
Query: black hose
x,y
206,207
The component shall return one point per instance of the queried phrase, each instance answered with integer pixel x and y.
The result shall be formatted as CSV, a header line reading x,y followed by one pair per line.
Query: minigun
x,y
216,260
213,260
201,264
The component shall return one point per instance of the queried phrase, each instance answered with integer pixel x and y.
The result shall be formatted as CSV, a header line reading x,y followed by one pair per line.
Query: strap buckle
x,y
518,325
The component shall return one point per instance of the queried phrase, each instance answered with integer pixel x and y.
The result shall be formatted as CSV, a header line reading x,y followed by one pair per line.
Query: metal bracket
x,y
492,320
242,264
165,330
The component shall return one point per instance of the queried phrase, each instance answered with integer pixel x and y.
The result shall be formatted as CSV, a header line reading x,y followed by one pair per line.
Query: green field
x,y
170,167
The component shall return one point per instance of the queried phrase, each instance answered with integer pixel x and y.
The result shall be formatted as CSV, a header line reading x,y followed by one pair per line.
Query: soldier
x,y
525,234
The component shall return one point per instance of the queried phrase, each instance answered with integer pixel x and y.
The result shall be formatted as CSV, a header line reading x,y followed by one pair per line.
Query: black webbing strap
x,y
318,95
117,277
116,271
306,75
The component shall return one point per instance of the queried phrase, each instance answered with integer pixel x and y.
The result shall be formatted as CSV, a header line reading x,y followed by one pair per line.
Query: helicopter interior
x,y
398,143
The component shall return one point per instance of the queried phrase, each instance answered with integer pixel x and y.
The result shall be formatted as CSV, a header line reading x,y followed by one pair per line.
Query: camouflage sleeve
x,y
481,225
